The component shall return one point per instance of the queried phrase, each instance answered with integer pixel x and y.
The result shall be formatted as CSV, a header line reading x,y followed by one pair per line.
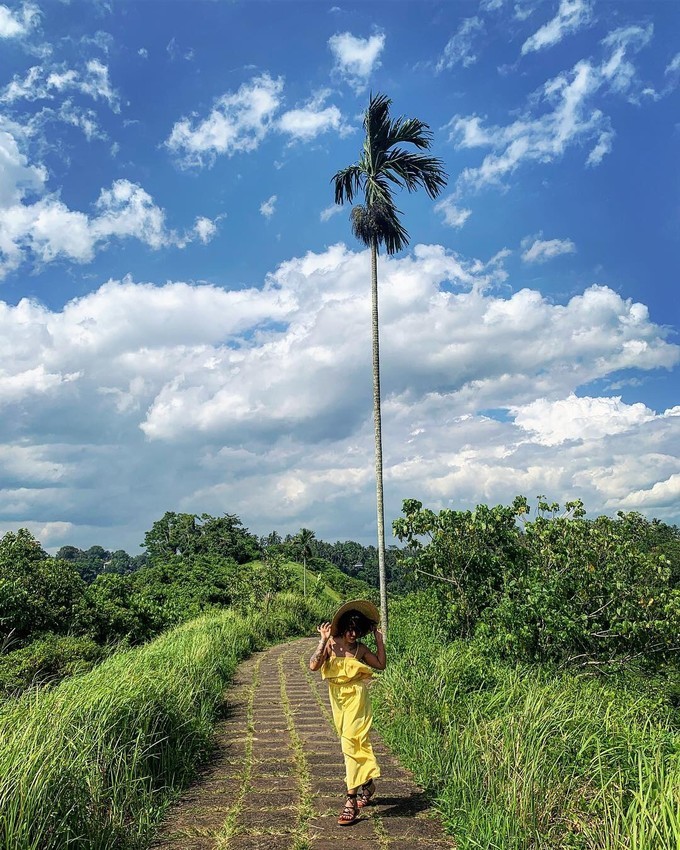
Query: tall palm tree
x,y
384,166
303,540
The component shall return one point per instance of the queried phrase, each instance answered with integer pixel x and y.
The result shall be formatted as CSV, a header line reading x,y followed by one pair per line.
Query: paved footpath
x,y
275,781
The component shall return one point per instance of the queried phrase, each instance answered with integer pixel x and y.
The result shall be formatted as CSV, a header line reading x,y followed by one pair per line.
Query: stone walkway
x,y
276,778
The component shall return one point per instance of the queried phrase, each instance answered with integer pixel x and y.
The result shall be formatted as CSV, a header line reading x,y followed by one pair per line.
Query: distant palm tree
x,y
303,541
384,165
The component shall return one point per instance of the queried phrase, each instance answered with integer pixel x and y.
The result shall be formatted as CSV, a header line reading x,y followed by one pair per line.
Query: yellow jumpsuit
x,y
351,706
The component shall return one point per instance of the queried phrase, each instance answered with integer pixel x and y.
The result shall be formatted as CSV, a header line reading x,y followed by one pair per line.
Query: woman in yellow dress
x,y
347,665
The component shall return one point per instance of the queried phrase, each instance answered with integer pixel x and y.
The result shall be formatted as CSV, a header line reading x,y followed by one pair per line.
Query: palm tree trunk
x,y
304,576
378,436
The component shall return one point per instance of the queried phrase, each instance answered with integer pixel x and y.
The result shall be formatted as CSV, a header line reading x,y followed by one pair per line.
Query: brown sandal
x,y
366,793
350,812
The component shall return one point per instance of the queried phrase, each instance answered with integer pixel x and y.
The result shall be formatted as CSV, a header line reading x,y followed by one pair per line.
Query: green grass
x,y
526,758
90,763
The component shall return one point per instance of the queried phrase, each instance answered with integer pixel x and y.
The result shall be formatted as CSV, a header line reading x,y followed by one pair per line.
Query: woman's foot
x,y
350,812
365,794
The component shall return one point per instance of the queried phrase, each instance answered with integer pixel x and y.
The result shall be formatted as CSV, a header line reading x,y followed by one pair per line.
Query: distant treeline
x,y
192,534
62,614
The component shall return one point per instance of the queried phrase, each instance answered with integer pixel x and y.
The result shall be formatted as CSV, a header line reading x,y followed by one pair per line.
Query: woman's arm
x,y
320,652
378,659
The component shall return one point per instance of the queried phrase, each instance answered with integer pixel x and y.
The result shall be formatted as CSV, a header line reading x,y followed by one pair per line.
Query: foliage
x,y
191,535
37,593
358,561
96,560
346,586
47,659
524,757
384,166
561,588
41,597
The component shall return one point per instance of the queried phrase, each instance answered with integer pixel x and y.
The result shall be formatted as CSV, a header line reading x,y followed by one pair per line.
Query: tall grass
x,y
522,758
88,764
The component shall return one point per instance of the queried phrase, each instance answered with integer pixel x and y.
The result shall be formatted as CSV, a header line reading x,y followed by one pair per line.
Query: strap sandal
x,y
350,812
365,794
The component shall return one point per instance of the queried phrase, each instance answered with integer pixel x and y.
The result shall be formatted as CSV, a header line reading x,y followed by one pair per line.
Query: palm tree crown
x,y
384,166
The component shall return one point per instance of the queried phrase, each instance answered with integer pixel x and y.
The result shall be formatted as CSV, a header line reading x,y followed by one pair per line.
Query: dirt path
x,y
276,779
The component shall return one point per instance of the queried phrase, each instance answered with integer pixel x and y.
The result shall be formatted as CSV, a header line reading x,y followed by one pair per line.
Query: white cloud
x,y
563,114
356,58
41,83
238,122
602,148
540,250
674,65
268,207
571,16
19,22
330,211
38,225
84,119
205,229
661,494
574,418
453,215
313,119
618,71
459,48
18,177
268,393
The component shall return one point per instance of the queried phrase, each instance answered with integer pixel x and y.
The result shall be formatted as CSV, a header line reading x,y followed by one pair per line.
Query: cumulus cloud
x,y
18,22
356,58
259,401
574,418
18,177
662,494
238,122
459,48
311,120
571,16
36,224
48,230
540,250
268,207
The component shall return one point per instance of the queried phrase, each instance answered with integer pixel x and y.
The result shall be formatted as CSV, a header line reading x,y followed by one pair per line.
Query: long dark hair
x,y
358,621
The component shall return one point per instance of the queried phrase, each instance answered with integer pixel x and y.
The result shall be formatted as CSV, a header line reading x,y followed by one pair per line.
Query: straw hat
x,y
363,606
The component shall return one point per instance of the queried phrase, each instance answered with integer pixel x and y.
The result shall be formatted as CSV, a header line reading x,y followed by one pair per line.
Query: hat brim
x,y
363,606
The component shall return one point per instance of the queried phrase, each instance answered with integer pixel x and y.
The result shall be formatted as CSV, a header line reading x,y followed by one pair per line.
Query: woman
x,y
346,664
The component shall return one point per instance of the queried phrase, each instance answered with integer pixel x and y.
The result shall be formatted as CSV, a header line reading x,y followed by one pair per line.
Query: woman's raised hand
x,y
324,630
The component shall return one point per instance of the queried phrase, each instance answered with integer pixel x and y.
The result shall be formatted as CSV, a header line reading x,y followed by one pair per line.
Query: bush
x,y
47,660
560,588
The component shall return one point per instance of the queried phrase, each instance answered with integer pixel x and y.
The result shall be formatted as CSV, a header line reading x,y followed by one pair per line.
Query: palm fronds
x,y
384,167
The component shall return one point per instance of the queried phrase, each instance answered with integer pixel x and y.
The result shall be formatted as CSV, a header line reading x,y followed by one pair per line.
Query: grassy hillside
x,y
330,586
88,764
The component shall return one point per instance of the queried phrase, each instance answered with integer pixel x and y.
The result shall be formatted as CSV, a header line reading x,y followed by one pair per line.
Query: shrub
x,y
47,659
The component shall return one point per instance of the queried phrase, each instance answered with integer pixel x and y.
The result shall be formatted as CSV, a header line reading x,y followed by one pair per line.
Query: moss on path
x,y
275,781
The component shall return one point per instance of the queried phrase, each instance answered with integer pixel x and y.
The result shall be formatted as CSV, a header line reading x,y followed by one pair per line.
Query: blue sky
x,y
184,315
